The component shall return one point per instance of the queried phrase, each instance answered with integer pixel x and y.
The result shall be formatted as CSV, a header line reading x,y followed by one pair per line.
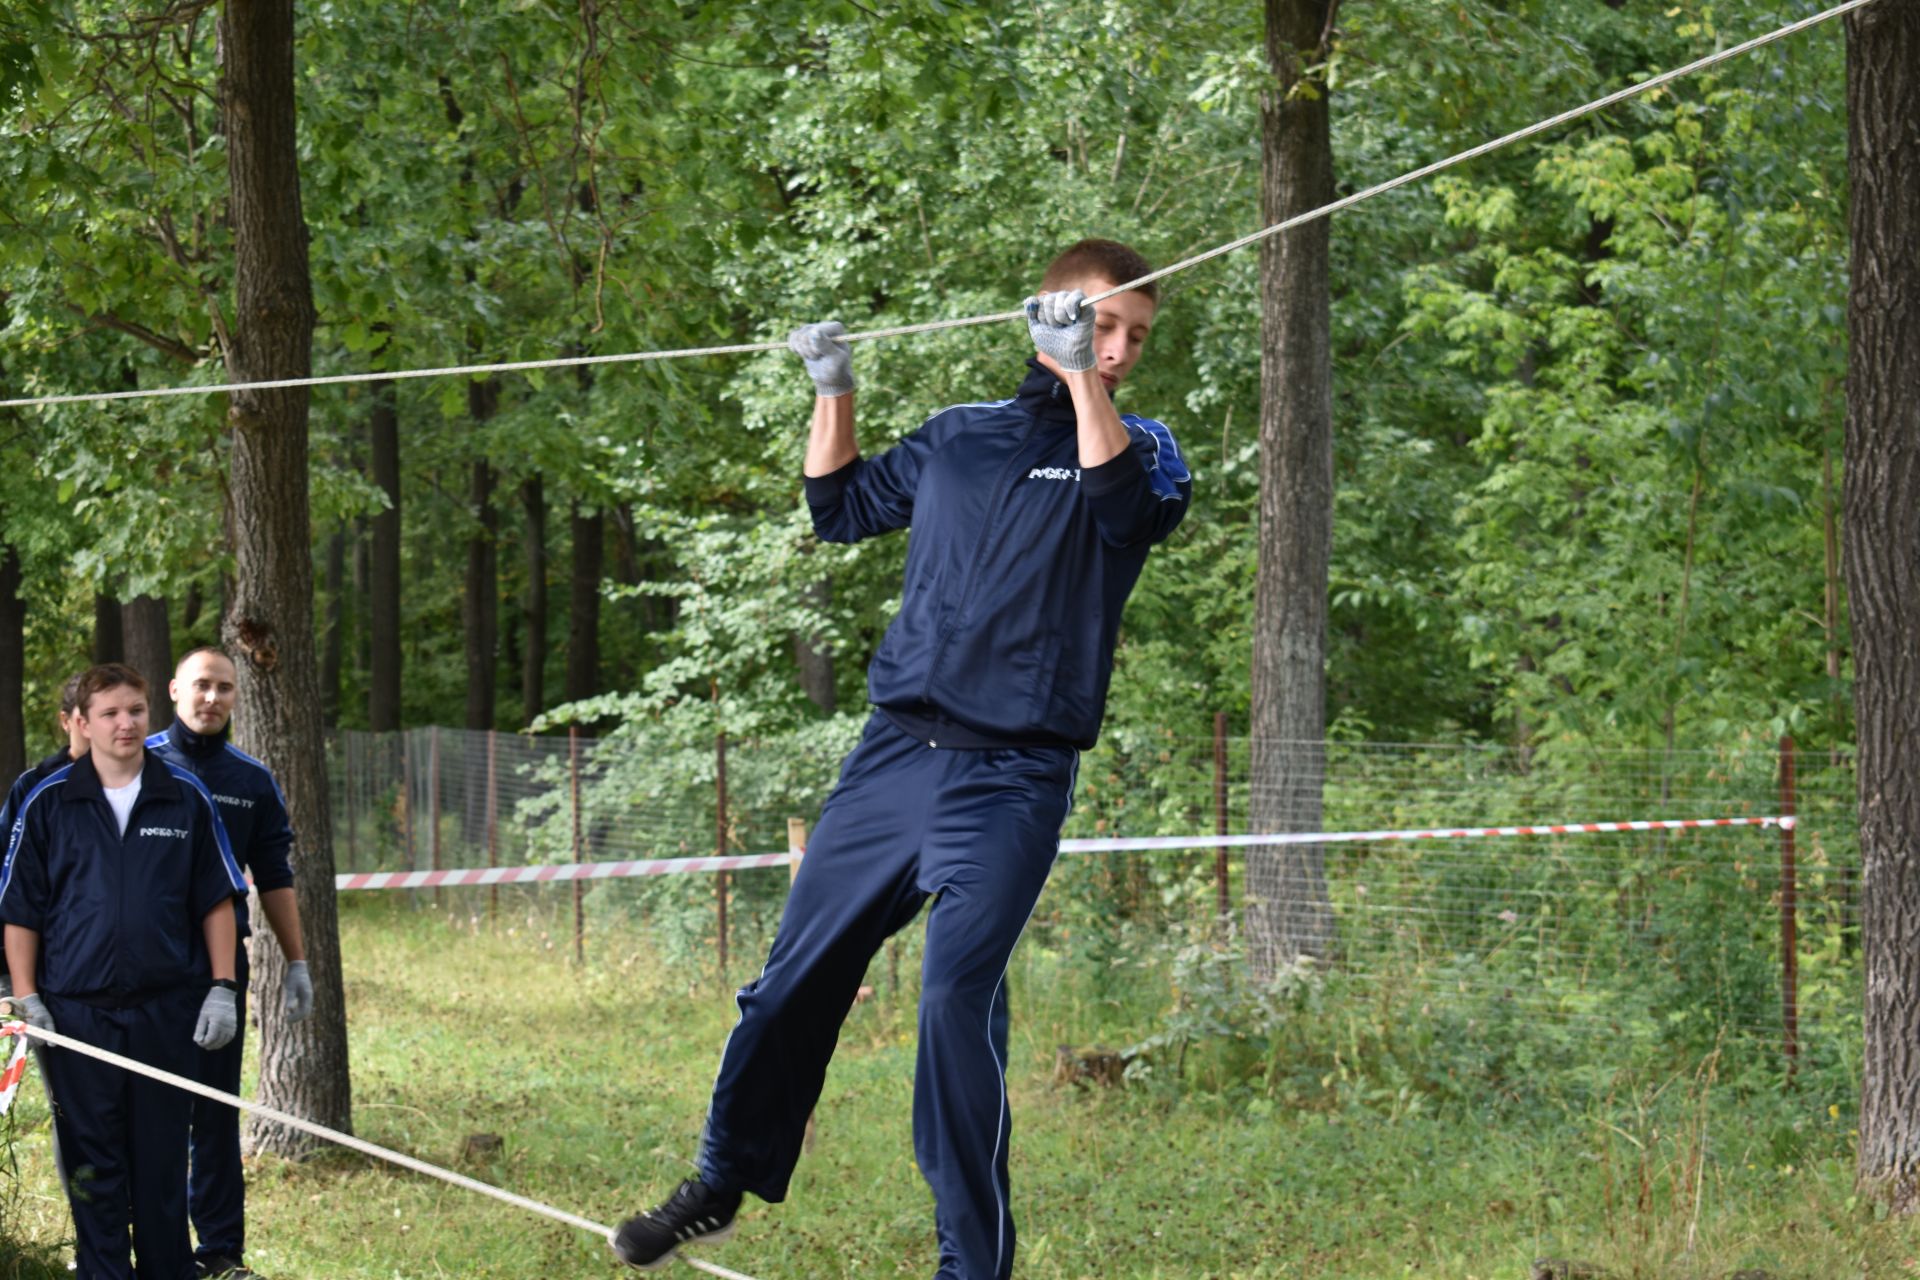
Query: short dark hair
x,y
213,649
70,694
108,675
1107,259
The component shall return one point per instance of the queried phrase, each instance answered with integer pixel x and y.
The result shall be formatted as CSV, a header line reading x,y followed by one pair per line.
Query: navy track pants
x,y
976,830
125,1136
217,1189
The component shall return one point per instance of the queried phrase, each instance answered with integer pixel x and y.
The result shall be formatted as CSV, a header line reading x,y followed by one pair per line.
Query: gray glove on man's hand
x,y
296,998
1062,327
37,1016
219,1020
826,353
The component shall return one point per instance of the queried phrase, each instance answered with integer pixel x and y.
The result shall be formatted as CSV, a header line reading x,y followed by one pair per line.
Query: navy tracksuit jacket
x,y
989,681
122,965
10,813
255,814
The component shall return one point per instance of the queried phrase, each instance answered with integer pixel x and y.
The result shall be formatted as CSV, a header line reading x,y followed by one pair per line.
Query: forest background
x,y
1588,392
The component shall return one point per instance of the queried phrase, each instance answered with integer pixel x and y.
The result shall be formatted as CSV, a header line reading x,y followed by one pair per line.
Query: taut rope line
x,y
755,348
56,1040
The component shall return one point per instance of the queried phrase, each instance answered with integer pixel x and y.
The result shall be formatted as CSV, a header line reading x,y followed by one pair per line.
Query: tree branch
x,y
159,342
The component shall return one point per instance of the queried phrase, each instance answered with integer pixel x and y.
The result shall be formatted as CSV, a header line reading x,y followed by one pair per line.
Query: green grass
x,y
596,1081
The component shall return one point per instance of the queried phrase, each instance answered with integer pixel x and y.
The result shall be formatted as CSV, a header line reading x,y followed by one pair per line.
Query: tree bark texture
x,y
109,645
1290,914
383,567
583,608
268,625
811,655
13,668
533,660
480,603
148,641
333,641
1882,561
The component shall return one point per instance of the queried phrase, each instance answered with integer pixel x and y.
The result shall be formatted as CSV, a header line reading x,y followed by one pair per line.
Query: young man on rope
x,y
117,899
255,814
1031,520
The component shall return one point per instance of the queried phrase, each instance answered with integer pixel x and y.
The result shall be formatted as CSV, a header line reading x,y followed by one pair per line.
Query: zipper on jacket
x,y
1002,490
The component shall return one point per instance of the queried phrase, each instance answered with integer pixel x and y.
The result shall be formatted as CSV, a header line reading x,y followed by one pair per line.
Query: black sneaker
x,y
223,1268
691,1214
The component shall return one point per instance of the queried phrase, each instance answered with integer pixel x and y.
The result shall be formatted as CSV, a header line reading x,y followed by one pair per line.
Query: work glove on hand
x,y
826,353
34,1010
296,998
1062,327
219,1020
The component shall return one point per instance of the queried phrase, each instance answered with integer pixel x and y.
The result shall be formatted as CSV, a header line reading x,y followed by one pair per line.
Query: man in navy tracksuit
x,y
26,782
255,814
117,898
1031,520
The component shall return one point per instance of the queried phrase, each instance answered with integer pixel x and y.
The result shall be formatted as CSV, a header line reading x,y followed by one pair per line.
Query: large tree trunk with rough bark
x,y
108,644
269,620
583,605
147,635
533,660
1882,555
480,604
811,654
383,566
1290,915
13,668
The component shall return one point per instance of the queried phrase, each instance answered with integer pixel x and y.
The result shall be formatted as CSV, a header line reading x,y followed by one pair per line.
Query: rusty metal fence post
x,y
720,845
579,888
1789,913
1221,875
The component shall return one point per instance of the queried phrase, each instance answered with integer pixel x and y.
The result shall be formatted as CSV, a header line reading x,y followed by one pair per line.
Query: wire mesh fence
x,y
1742,932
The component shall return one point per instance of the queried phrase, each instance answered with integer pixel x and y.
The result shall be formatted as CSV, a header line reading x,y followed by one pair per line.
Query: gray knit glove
x,y
219,1020
1062,327
34,1009
826,353
296,997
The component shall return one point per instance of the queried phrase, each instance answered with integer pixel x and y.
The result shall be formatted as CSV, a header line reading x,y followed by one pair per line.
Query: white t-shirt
x,y
121,799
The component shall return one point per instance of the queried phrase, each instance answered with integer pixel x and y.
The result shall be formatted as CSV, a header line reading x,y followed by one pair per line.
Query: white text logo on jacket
x,y
175,832
1055,473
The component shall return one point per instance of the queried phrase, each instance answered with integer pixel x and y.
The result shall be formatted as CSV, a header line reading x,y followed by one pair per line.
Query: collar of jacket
x,y
197,745
1045,396
155,779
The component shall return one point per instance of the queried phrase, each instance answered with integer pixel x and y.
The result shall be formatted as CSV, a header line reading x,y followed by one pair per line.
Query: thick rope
x,y
755,348
56,1040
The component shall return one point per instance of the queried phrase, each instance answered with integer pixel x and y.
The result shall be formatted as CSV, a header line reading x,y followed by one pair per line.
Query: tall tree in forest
x,y
533,662
147,634
269,621
583,603
13,674
383,565
1290,914
1883,572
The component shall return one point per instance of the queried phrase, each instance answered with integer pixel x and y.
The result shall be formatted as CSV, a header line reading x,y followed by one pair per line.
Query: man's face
x,y
203,692
114,722
1120,328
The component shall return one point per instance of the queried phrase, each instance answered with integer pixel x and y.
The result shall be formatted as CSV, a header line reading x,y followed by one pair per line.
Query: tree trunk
x,y
333,644
480,605
1290,915
109,645
533,661
383,567
269,620
583,605
148,638
13,668
1882,560
811,655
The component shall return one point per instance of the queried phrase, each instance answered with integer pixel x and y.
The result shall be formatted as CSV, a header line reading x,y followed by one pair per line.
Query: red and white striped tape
x,y
1109,844
16,1067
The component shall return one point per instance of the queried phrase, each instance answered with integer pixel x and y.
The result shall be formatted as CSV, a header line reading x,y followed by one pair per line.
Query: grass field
x,y
595,1080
